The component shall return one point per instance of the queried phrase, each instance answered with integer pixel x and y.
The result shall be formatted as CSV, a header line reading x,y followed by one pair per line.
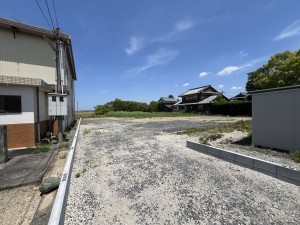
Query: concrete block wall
x,y
272,169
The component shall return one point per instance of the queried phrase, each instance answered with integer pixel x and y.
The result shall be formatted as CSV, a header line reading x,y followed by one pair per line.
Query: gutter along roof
x,y
275,89
26,28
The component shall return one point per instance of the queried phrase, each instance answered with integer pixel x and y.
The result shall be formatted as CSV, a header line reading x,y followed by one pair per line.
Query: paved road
x,y
134,172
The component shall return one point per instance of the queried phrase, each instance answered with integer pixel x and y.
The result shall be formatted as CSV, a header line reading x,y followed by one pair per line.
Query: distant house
x,y
27,80
241,97
198,99
165,104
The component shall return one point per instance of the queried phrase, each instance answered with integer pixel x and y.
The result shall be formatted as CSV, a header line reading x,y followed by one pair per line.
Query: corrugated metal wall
x,y
275,119
26,55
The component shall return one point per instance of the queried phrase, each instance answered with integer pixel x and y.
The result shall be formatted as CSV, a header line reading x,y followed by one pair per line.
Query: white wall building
x,y
27,75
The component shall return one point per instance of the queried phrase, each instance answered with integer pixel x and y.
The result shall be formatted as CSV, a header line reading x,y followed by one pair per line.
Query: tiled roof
x,y
169,99
204,101
208,100
196,90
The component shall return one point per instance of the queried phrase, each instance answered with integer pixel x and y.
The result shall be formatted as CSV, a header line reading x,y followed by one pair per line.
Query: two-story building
x,y
27,76
165,104
198,99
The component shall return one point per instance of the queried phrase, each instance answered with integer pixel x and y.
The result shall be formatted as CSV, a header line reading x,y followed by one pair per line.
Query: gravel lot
x,y
139,172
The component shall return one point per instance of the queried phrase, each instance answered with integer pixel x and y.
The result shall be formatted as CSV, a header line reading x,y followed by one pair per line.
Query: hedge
x,y
232,109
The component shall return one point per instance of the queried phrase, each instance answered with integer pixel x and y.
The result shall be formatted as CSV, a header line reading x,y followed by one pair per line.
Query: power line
x,y
43,14
49,14
55,12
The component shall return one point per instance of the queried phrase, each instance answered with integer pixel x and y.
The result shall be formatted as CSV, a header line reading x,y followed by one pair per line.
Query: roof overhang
x,y
24,81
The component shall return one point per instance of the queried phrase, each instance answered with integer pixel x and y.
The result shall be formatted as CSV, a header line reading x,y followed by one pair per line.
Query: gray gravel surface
x,y
134,172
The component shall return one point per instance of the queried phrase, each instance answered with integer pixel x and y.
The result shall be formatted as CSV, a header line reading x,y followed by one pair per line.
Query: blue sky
x,y
141,50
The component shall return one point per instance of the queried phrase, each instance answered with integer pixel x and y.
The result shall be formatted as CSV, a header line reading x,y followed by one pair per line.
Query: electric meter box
x,y
57,104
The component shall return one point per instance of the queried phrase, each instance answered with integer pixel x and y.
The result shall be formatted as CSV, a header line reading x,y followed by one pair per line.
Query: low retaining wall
x,y
269,168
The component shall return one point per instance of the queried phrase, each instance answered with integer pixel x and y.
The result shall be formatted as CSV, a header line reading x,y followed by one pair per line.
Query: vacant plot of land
x,y
140,172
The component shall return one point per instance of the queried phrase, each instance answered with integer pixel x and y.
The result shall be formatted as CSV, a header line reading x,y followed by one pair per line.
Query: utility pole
x,y
59,86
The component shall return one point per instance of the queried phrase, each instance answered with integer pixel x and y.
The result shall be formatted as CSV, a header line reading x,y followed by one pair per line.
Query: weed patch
x,y
64,145
41,148
296,156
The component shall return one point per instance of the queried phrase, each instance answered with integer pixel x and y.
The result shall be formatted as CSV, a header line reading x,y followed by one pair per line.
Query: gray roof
x,y
166,99
207,100
196,90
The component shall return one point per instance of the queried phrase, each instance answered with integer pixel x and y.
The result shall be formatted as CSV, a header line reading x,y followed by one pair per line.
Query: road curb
x,y
59,207
278,171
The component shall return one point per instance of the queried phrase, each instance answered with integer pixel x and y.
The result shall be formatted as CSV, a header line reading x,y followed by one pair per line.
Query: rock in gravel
x,y
49,184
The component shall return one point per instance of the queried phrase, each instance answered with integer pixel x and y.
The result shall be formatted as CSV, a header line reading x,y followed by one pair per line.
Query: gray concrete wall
x,y
269,168
3,144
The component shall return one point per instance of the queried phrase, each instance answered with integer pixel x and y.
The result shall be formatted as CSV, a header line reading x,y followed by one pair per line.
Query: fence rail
x,y
59,207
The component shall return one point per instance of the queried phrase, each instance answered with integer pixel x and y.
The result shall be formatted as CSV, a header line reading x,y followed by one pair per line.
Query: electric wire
x,y
49,14
55,13
43,14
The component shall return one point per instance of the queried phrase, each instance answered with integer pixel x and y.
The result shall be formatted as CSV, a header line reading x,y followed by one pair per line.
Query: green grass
x,y
121,114
85,114
64,145
41,148
146,114
241,125
296,156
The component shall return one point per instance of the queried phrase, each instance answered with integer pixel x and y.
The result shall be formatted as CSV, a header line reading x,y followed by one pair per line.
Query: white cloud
x,y
176,85
184,25
135,44
185,84
178,29
230,69
161,57
236,88
243,54
203,74
221,86
291,30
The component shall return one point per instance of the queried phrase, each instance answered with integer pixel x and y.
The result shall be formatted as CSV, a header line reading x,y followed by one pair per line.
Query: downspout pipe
x,y
38,113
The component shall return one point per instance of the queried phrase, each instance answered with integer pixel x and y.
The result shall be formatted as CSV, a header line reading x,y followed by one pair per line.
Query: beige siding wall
x,y
26,55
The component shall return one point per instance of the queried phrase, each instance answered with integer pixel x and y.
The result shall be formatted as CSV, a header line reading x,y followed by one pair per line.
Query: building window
x,y
10,104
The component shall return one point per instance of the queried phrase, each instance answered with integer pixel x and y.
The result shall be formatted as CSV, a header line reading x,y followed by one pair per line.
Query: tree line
x,y
126,106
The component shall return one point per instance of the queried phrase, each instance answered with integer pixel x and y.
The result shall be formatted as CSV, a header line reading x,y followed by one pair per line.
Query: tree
x,y
282,69
220,99
153,107
171,96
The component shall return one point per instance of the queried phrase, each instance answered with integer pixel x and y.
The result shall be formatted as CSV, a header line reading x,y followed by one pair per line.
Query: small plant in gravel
x,y
64,145
77,175
296,156
241,125
84,169
86,131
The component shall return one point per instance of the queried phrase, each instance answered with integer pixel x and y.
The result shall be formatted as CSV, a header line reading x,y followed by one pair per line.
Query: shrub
x,y
232,109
